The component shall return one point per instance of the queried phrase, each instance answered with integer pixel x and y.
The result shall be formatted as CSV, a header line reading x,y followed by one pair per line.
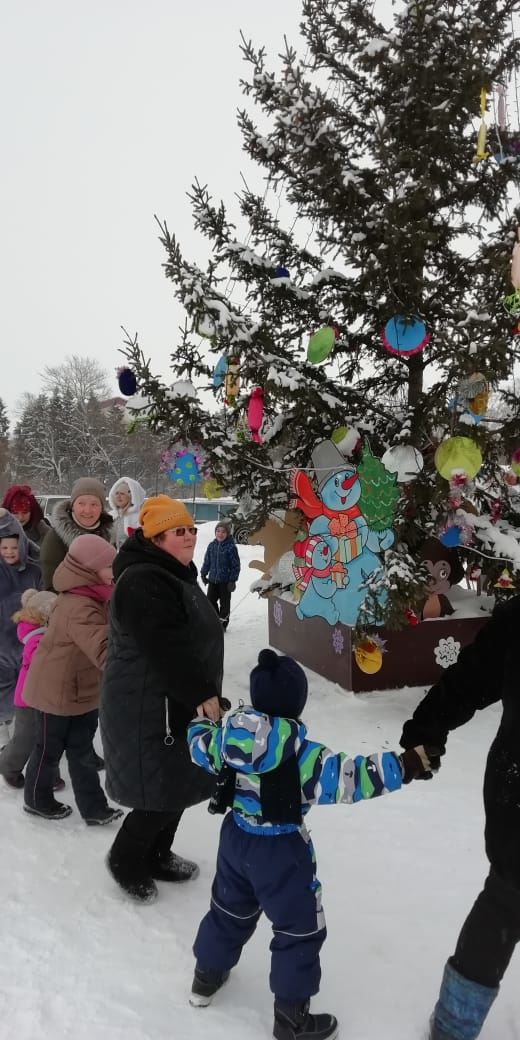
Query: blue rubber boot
x,y
461,1009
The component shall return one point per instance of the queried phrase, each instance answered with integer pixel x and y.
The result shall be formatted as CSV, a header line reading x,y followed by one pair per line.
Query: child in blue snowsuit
x,y
270,774
220,570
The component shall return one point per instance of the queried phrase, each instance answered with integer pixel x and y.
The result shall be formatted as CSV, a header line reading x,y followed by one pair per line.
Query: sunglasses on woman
x,y
179,532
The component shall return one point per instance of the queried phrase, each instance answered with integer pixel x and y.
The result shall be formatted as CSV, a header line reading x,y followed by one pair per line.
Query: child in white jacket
x,y
125,497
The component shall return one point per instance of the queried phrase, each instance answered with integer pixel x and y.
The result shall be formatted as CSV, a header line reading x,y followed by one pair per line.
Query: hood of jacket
x,y
72,575
247,745
138,549
24,628
67,529
10,528
137,492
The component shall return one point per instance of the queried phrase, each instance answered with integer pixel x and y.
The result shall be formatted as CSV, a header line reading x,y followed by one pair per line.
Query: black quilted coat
x,y
486,672
165,656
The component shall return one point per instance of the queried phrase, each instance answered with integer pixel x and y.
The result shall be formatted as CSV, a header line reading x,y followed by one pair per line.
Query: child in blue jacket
x,y
220,570
270,775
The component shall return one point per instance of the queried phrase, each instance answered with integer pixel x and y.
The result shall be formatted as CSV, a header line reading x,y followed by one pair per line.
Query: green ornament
x,y
379,494
320,345
339,434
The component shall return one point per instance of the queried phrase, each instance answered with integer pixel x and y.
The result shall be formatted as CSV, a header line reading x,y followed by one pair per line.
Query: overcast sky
x,y
109,109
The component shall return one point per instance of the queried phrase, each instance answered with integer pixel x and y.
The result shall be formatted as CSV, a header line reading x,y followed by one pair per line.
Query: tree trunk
x,y
415,379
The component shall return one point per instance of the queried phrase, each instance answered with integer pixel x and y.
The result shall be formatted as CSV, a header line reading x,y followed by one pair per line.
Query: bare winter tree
x,y
82,378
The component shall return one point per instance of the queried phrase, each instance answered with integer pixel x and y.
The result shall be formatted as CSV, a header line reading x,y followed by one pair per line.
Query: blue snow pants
x,y
277,876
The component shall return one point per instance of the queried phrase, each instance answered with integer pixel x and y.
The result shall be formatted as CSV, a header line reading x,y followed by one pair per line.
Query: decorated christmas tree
x,y
364,292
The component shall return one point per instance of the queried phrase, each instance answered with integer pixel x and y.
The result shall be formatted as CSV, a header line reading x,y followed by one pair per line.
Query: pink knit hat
x,y
92,552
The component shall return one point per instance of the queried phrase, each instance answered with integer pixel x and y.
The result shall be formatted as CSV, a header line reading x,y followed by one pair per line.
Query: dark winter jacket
x,y
61,535
486,672
14,579
221,561
165,656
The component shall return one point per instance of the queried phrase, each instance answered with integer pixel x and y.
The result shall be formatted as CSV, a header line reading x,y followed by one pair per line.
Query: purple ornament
x,y
127,382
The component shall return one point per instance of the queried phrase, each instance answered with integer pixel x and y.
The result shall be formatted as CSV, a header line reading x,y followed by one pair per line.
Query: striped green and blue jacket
x,y
253,743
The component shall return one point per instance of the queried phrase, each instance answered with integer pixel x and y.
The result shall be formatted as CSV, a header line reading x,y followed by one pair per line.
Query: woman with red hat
x,y
21,503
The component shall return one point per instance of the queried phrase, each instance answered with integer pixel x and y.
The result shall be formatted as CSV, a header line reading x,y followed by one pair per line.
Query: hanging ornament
x,y
405,461
515,462
481,152
515,330
411,617
206,327
220,371
211,488
474,394
495,511
512,304
505,580
515,266
368,655
510,478
321,344
348,440
450,537
232,382
255,413
501,93
404,336
184,468
126,381
458,455
281,273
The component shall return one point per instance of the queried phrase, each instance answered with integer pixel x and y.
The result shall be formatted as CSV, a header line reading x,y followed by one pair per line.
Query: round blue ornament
x,y
404,336
450,538
127,382
281,272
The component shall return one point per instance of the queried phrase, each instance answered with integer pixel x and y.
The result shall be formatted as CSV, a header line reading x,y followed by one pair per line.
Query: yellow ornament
x,y
477,405
505,580
211,488
481,152
458,455
232,381
368,657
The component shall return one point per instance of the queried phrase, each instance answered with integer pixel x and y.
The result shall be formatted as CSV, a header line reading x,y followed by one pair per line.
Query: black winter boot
x,y
128,865
294,1021
204,986
170,867
105,815
55,811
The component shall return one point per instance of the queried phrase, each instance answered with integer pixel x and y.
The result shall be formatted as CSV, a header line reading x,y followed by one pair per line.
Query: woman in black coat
x,y
164,666
486,672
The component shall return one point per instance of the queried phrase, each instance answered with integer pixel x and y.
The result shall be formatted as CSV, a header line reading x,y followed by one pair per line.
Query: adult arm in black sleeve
x,y
472,683
156,620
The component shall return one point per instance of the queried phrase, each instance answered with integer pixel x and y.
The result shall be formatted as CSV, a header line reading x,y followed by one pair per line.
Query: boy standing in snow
x,y
270,775
220,570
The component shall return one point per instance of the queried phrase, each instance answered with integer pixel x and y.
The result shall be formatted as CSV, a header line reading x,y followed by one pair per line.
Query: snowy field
x,y
399,875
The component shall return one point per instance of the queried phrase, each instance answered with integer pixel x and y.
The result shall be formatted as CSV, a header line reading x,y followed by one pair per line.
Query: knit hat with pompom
x,y
39,605
278,686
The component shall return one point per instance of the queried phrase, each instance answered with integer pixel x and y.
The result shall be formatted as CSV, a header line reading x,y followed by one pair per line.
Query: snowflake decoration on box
x,y
338,641
447,652
277,614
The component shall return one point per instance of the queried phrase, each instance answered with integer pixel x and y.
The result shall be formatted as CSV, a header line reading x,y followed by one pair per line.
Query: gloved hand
x,y
231,586
204,579
225,705
420,763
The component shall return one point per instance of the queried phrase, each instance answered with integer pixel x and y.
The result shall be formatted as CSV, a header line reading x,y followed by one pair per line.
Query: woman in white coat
x,y
125,497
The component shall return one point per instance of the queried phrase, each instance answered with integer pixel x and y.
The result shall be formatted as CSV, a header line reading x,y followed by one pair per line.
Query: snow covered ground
x,y
399,875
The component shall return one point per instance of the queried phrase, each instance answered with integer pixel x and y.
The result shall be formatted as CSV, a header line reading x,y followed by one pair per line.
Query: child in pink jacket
x,y
32,618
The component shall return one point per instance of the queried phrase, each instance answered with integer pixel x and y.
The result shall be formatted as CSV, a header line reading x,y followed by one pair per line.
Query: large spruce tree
x,y
367,136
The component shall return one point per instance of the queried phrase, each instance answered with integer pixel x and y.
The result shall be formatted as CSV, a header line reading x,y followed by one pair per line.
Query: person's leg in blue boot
x,y
473,975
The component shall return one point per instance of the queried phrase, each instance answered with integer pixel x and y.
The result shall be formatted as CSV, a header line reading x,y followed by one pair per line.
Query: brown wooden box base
x,y
416,656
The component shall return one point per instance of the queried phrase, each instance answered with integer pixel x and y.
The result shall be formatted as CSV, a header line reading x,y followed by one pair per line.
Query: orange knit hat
x,y
163,513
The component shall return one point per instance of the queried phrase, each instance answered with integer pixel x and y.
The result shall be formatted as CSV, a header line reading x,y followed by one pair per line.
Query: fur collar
x,y
67,529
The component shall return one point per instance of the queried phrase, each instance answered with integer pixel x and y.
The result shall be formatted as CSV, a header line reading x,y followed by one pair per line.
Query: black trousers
x,y
145,837
72,734
489,934
220,596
